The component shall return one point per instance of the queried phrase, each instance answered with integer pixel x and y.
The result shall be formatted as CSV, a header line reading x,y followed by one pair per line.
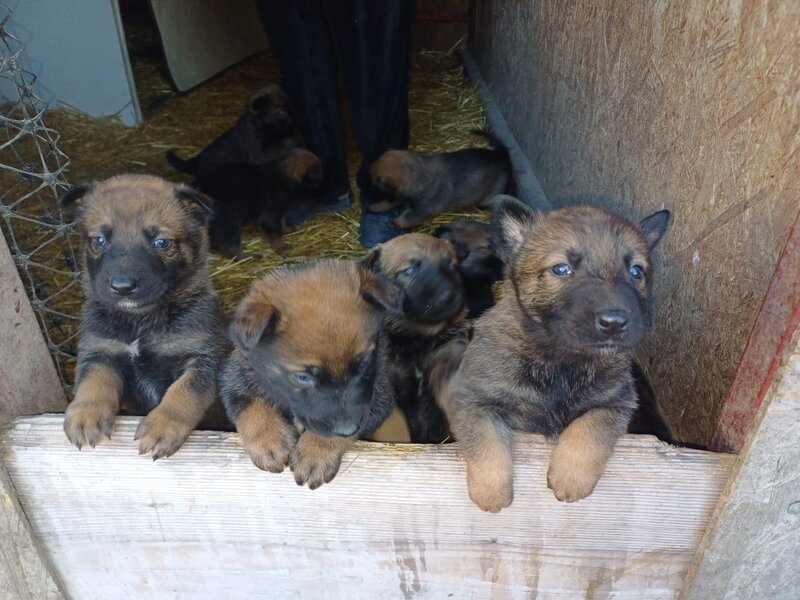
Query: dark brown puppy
x,y
308,360
554,355
425,271
152,336
265,130
259,194
478,262
429,184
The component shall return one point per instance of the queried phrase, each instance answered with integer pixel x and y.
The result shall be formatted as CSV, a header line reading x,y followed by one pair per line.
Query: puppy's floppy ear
x,y
254,318
654,227
380,291
372,261
72,200
510,220
200,206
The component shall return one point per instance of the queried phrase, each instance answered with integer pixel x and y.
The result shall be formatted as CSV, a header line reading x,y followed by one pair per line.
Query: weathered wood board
x,y
395,523
690,105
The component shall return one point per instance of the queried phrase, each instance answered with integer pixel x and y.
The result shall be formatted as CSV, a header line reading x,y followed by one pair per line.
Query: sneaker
x,y
301,212
377,228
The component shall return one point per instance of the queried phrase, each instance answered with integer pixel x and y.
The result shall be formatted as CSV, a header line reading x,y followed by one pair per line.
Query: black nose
x,y
612,321
345,429
446,298
124,285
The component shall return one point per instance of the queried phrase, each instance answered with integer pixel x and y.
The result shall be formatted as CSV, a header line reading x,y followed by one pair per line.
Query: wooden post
x,y
752,546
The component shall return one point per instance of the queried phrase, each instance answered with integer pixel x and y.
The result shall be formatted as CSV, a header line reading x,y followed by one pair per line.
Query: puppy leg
x,y
168,425
225,233
266,435
582,451
273,231
91,414
315,459
409,218
381,206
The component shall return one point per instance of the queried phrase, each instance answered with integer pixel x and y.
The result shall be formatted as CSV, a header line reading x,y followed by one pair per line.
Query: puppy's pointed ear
x,y
200,206
654,227
72,200
510,221
372,261
380,291
252,320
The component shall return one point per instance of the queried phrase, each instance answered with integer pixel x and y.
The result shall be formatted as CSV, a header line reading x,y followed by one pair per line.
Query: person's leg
x,y
300,38
373,43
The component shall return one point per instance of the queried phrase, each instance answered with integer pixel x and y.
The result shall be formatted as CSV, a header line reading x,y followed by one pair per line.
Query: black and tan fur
x,y
553,356
260,194
428,184
152,336
425,270
307,375
265,130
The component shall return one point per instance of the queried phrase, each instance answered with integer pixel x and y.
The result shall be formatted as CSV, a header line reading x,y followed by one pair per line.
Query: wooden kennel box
x,y
695,106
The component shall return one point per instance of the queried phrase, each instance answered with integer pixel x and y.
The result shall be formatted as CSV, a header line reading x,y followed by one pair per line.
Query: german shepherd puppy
x,y
260,194
554,355
308,362
429,184
425,270
152,335
478,262
265,130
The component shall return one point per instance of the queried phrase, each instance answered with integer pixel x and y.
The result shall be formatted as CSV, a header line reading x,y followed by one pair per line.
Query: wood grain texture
x,y
690,105
29,383
24,572
752,546
395,523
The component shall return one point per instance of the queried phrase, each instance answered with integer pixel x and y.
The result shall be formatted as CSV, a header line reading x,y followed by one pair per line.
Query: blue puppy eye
x,y
636,272
99,241
409,270
161,243
303,379
563,270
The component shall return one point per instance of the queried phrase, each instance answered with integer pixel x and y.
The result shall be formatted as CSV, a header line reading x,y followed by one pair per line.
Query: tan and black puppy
x,y
478,262
259,194
554,355
308,360
429,184
265,130
425,270
152,336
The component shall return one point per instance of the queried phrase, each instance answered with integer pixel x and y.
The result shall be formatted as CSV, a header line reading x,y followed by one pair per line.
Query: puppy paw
x,y
490,487
572,477
269,448
161,434
315,460
87,422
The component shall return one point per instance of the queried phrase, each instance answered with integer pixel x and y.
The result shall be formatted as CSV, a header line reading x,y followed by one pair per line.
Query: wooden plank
x,y
752,547
778,318
29,383
692,106
396,522
24,572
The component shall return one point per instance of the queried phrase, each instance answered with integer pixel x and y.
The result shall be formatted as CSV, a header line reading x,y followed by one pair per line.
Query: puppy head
x,y
144,240
269,107
425,270
580,272
388,176
302,168
477,258
311,336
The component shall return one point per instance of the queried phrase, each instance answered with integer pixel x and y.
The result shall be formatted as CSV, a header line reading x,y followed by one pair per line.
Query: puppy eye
x,y
161,243
411,269
563,270
303,379
636,271
99,241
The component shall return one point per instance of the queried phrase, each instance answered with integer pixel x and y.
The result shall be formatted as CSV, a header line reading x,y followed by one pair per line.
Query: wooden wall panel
x,y
690,105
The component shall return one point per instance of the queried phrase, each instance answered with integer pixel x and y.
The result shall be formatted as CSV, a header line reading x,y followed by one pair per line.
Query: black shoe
x,y
301,212
377,228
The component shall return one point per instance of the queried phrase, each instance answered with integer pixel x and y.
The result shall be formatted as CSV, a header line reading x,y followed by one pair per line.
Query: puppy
x,y
265,130
425,270
308,362
478,262
260,194
429,184
152,336
554,355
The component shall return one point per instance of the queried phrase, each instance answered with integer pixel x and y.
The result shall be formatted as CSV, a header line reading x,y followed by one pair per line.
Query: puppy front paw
x,y
162,433
491,486
572,477
86,422
268,444
315,460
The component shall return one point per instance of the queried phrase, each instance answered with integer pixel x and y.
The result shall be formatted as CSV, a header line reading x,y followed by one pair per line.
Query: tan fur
x,y
393,430
399,253
315,460
300,163
267,437
93,411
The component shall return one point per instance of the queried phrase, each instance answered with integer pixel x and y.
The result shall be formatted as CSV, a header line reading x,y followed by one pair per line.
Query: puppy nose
x,y
612,321
345,429
446,298
124,285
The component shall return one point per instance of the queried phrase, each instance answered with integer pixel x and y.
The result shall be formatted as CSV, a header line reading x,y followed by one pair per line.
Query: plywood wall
x,y
690,105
